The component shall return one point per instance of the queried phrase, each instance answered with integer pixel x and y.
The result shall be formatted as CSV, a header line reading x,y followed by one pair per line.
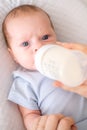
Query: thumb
x,y
61,85
58,84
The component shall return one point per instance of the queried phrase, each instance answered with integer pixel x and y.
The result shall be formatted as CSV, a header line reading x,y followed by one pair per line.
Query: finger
x,y
85,83
65,124
35,123
67,45
59,43
76,46
64,44
57,84
61,85
52,122
73,127
73,45
81,90
42,123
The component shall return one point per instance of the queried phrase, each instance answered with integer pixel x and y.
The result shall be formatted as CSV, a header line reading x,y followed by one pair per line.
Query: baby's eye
x,y
45,37
25,44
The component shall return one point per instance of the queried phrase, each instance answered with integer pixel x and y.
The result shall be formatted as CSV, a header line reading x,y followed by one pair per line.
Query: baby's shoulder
x,y
32,76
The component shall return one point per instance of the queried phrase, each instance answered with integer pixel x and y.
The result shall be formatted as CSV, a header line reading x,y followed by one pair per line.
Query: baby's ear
x,y
11,53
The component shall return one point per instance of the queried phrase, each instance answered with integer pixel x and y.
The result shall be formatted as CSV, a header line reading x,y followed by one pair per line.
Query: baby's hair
x,y
15,13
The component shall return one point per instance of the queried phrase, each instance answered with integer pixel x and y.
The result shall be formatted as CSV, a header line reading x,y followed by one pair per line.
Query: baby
x,y
27,28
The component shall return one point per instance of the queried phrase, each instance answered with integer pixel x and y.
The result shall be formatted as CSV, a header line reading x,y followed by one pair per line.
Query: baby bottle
x,y
62,64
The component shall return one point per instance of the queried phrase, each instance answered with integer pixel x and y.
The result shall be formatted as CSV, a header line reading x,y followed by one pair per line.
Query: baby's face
x,y
27,34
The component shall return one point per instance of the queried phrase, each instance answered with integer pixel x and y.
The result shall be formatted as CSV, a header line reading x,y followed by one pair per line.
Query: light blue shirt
x,y
32,90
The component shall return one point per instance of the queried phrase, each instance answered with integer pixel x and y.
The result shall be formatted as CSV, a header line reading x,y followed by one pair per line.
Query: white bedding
x,y
70,21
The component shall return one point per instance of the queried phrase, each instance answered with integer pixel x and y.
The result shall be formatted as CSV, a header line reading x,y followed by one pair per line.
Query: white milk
x,y
64,65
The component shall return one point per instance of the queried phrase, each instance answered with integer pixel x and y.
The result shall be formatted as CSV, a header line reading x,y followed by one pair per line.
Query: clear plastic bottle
x,y
62,64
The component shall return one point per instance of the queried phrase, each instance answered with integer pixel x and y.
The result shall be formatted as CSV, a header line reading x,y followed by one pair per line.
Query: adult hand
x,y
81,89
74,46
53,122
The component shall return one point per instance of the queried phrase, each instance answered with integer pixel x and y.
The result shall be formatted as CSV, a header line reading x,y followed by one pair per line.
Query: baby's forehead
x,y
20,14
24,15
25,19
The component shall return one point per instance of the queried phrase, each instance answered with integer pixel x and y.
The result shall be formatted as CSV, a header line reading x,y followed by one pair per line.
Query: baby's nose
x,y
37,46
